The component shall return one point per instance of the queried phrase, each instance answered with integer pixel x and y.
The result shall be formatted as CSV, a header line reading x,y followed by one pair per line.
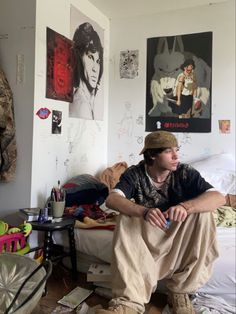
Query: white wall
x,y
17,26
125,132
82,146
43,158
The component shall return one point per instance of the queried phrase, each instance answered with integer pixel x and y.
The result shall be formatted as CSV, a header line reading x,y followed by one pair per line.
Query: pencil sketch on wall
x,y
126,124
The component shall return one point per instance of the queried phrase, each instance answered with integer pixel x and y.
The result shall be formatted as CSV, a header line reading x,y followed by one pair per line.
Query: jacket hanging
x,y
8,151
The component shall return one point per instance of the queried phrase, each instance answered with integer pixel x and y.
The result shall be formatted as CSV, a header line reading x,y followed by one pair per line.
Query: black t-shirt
x,y
182,184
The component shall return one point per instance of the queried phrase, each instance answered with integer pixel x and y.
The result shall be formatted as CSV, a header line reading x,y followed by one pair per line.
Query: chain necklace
x,y
159,182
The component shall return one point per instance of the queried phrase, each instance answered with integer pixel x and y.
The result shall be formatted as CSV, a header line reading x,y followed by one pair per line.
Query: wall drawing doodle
x,y
132,159
139,139
75,134
140,120
186,139
126,124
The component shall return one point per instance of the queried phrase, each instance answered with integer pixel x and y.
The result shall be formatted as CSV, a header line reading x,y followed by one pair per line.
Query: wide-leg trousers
x,y
143,255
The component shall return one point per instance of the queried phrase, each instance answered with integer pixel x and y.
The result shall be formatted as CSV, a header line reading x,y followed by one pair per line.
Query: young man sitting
x,y
168,232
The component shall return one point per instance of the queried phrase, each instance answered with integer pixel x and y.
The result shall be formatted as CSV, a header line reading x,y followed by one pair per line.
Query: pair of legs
x,y
144,254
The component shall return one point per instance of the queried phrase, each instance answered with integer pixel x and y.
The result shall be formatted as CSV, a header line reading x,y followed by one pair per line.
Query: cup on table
x,y
58,209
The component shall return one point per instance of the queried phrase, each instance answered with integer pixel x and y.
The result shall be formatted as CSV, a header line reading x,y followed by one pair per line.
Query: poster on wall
x,y
59,67
88,91
178,85
129,64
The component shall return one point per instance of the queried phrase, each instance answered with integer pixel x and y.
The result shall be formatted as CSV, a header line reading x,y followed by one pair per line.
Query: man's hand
x,y
176,213
156,218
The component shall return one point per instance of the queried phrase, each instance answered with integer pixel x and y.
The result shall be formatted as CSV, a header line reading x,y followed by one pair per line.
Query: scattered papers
x,y
75,297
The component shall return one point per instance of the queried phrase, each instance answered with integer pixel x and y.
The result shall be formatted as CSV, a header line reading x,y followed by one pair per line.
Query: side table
x,y
48,229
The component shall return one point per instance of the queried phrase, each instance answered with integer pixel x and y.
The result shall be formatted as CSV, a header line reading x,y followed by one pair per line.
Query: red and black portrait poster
x,y
178,86
59,67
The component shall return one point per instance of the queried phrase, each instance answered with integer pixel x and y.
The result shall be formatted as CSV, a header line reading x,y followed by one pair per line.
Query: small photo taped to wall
x,y
224,126
56,122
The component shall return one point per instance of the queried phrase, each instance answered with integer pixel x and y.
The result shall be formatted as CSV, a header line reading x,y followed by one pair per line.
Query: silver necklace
x,y
159,182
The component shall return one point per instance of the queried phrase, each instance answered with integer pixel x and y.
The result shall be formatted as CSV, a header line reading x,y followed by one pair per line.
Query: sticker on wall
x,y
129,64
178,84
56,122
43,113
59,67
224,126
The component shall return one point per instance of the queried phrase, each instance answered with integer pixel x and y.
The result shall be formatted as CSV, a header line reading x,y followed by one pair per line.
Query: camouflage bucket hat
x,y
159,139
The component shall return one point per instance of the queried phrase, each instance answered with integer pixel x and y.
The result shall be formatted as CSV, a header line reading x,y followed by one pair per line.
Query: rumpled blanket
x,y
207,304
225,216
89,223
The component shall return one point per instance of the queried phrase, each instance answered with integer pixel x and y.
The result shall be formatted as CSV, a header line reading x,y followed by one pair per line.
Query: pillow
x,y
222,161
218,170
85,189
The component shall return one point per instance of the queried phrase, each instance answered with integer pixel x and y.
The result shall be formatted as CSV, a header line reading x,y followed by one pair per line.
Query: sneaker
x,y
181,303
118,309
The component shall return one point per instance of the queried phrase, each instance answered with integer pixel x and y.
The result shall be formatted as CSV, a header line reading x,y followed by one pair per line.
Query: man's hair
x,y
85,39
150,153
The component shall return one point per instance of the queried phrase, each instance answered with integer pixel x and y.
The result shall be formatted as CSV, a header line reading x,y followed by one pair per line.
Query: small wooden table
x,y
48,247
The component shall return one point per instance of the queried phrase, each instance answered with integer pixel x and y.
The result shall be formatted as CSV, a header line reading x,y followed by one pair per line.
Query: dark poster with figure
x,y
59,67
178,86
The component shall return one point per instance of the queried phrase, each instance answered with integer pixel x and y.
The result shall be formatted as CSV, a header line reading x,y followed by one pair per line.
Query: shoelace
x,y
182,300
114,308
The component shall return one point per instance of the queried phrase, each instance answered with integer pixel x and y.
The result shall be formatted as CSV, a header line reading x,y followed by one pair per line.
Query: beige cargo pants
x,y
144,254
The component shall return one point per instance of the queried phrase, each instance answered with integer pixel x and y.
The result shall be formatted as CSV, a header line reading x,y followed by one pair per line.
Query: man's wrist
x,y
145,212
186,207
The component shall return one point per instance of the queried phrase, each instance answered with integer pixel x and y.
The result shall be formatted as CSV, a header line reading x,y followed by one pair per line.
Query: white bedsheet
x,y
96,243
223,282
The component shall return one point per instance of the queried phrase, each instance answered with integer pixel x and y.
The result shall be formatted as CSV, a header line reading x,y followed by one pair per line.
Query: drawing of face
x,y
188,69
91,64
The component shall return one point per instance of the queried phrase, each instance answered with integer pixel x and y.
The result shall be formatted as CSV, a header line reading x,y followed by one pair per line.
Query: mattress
x,y
94,246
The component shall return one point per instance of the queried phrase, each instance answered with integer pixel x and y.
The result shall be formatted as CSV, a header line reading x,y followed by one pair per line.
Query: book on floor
x,y
99,272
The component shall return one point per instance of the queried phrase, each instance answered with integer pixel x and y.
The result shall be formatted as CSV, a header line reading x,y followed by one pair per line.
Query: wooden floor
x,y
60,283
